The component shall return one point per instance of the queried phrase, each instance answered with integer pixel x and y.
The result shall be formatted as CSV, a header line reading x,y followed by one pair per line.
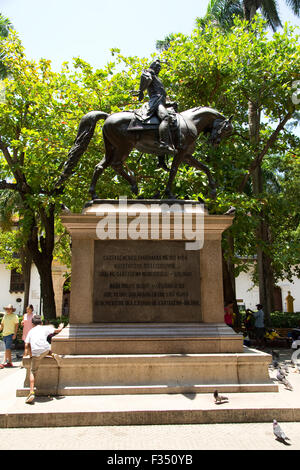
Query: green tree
x,y
222,13
228,70
5,27
38,123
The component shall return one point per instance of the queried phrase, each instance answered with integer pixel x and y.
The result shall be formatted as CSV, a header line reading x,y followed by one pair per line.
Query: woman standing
x,y
27,322
229,315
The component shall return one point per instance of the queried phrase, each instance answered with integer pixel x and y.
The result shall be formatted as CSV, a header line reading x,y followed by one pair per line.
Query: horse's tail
x,y
85,133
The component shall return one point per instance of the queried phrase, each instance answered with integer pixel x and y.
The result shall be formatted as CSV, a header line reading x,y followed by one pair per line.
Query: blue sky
x,y
62,29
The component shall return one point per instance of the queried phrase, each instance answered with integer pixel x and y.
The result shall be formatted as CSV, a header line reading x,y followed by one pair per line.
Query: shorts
x,y
8,341
36,360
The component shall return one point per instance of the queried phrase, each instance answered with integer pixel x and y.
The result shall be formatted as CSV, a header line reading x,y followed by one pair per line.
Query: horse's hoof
x,y
170,195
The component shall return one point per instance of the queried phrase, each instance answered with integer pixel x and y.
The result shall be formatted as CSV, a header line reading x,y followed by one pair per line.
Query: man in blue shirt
x,y
259,326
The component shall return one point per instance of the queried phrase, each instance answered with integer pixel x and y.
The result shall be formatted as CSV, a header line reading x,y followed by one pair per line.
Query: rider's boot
x,y
164,137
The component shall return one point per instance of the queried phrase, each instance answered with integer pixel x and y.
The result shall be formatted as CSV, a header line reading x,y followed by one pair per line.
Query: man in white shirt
x,y
37,347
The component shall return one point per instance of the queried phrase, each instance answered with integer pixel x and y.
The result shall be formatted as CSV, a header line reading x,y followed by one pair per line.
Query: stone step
x,y
156,389
147,338
153,373
149,410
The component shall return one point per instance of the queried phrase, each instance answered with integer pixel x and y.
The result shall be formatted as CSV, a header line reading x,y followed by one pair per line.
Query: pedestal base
x,y
153,373
147,338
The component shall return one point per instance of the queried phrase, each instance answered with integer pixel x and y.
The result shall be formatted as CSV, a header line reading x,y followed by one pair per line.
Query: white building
x,y
10,294
248,294
11,291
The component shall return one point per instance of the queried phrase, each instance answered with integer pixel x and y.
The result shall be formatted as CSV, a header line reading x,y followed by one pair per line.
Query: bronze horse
x,y
119,141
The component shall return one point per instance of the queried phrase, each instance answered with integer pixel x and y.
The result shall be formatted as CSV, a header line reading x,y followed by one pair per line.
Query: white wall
x,y
35,290
295,292
250,294
10,298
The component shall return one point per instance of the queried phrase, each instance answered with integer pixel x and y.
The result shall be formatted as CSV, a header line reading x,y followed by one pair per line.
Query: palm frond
x,y
5,26
294,5
222,12
269,9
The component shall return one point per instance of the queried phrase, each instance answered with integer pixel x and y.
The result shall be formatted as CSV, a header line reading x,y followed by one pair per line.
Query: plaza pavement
x,y
174,422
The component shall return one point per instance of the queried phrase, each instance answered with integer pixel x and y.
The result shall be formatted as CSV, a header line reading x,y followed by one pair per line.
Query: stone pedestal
x,y
146,308
128,294
124,374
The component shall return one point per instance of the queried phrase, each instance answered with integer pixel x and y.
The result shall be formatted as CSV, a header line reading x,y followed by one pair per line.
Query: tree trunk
x,y
26,261
41,250
265,272
264,267
47,291
229,286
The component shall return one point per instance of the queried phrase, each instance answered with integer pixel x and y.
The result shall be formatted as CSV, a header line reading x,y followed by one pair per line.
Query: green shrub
x,y
285,320
56,321
281,319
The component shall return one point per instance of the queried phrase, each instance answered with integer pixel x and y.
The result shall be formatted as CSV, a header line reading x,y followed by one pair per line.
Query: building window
x,y
16,281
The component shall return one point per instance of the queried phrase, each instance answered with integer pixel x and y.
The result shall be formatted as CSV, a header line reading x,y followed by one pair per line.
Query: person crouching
x,y
37,347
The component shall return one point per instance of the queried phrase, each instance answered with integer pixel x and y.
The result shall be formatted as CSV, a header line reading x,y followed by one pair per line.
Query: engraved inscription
x,y
146,281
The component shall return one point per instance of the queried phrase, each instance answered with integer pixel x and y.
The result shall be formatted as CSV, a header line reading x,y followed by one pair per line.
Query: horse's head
x,y
222,128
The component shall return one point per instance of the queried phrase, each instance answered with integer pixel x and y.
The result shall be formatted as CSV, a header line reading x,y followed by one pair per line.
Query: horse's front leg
x,y
201,166
173,172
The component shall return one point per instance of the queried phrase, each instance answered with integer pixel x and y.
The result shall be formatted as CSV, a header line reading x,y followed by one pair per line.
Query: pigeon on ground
x,y
287,384
278,432
280,375
286,368
283,371
219,398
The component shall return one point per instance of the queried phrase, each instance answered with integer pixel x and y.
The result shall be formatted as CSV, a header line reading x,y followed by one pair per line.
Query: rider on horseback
x,y
157,104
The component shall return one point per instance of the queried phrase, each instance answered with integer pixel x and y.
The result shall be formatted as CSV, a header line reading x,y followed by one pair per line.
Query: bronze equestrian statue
x,y
149,131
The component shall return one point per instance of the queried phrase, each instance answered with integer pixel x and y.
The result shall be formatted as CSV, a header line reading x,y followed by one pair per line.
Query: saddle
x,y
142,120
139,124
